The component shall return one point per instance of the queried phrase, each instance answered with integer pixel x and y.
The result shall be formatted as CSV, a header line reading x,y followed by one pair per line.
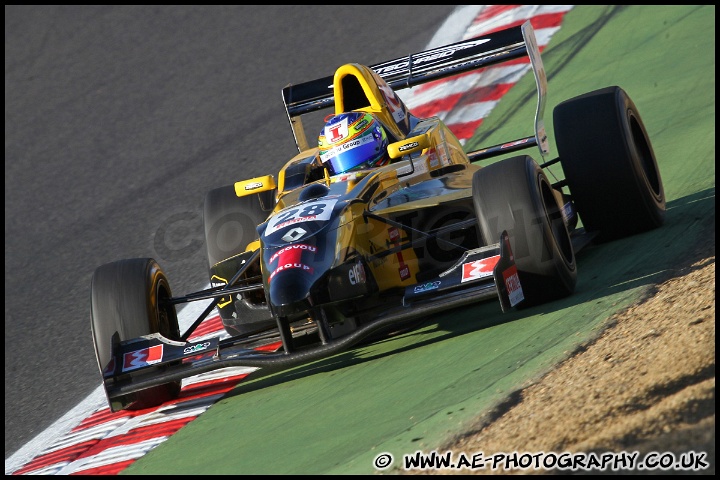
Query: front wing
x,y
154,360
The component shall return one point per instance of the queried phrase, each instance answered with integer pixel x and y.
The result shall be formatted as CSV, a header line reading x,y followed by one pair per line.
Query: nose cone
x,y
290,291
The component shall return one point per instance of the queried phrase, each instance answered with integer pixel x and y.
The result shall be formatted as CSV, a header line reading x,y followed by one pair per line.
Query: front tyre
x,y
128,300
516,196
609,164
231,222
230,226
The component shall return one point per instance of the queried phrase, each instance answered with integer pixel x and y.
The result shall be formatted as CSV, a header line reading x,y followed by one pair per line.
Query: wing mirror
x,y
264,187
408,146
254,185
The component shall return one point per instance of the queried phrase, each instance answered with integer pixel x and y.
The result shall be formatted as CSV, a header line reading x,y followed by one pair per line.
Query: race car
x,y
316,259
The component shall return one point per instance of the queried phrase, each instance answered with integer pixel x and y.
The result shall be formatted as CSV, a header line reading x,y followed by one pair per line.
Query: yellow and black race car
x,y
333,251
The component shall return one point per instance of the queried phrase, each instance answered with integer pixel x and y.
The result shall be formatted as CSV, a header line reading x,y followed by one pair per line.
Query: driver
x,y
353,141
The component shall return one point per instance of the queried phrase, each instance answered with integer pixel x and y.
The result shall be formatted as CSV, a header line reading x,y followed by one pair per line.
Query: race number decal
x,y
305,212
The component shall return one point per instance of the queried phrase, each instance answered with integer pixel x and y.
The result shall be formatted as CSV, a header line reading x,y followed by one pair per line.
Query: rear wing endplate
x,y
434,64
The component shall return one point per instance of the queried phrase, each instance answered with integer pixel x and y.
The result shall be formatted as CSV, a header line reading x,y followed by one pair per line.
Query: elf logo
x,y
356,274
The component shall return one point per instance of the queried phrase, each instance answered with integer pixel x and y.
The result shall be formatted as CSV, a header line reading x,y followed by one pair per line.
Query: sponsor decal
x,y
433,161
344,147
305,212
427,287
287,266
403,269
356,274
345,178
142,358
337,131
408,146
443,153
394,235
294,235
253,186
516,142
196,348
308,218
512,282
299,247
290,257
479,268
542,136
429,56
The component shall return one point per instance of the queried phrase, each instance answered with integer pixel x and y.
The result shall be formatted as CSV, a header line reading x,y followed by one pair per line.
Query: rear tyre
x,y
515,195
609,164
129,299
230,226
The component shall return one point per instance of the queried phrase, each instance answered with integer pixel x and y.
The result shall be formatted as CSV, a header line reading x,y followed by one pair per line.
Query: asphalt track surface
x,y
118,120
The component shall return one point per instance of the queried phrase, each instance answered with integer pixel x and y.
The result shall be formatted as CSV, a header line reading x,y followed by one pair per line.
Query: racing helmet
x,y
353,141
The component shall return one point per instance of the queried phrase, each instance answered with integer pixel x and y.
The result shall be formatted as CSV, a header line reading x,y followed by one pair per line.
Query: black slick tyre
x,y
230,226
230,222
516,196
609,164
128,300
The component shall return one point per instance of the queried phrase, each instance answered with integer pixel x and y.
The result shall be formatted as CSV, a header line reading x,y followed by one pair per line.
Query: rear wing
x,y
434,64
